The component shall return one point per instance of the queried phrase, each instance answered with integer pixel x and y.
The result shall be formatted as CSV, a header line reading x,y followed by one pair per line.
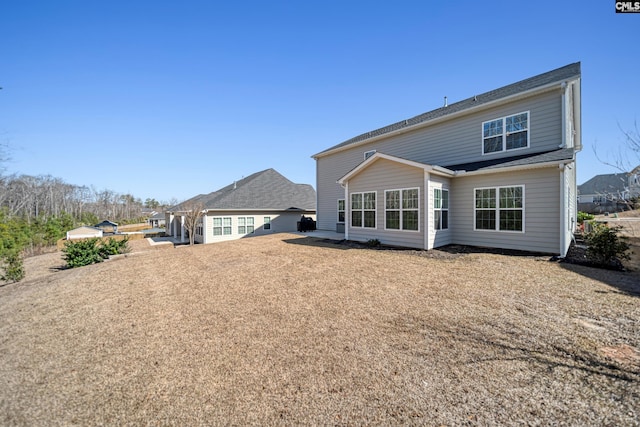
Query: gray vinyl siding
x,y
541,213
281,222
380,176
450,142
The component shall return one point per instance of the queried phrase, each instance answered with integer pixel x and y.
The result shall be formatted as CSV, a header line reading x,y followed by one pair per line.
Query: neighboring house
x,y
494,170
107,226
84,232
609,192
157,220
263,203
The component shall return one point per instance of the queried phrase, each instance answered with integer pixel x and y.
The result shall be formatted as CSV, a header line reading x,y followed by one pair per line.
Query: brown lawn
x,y
285,329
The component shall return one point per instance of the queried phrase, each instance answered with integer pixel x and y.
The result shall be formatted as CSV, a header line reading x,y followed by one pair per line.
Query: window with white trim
x,y
221,226
340,210
363,209
245,225
402,209
266,223
499,208
369,153
506,133
440,209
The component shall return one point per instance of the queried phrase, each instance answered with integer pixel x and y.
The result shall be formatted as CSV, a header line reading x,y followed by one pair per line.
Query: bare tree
x,y
193,212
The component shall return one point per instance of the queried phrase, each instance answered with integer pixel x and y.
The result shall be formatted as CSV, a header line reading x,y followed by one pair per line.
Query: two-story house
x,y
494,170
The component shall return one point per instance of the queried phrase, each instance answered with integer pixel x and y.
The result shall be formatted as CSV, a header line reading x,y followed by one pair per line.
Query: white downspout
x,y
563,215
347,211
425,214
564,115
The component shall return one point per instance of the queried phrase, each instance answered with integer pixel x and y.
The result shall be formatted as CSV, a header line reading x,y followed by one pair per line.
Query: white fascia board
x,y
531,92
429,168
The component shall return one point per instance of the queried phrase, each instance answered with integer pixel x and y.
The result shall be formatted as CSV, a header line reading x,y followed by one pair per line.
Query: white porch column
x,y
425,213
204,227
182,239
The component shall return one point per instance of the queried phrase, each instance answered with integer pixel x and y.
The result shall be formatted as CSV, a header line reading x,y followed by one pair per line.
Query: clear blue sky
x,y
172,99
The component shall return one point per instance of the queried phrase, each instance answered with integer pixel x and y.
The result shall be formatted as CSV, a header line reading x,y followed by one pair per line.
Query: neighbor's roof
x,y
605,184
265,190
536,82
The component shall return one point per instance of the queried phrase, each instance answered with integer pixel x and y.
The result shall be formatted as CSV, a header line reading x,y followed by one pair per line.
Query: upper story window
x,y
368,154
505,133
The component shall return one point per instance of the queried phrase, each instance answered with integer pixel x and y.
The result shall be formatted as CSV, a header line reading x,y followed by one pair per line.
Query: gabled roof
x,y
612,183
265,190
538,82
106,223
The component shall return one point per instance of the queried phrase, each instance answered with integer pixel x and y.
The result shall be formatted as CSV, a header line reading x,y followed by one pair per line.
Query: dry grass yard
x,y
288,329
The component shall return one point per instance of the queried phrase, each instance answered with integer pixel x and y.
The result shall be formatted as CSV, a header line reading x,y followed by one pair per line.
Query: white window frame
x,y
498,209
401,209
343,210
362,209
266,223
439,209
369,153
246,222
504,133
223,225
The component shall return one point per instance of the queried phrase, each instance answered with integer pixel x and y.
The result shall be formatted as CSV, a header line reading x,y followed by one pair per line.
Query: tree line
x,y
36,211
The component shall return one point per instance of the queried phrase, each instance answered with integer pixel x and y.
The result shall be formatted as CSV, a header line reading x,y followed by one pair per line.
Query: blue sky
x,y
172,99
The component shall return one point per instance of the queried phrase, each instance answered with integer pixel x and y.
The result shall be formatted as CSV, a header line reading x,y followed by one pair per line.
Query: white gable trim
x,y
438,170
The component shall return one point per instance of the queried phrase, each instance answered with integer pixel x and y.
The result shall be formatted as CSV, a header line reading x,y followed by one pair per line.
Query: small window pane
x,y
356,218
486,220
517,123
437,219
437,198
410,199
511,220
356,201
491,145
217,222
341,204
392,199
370,219
410,220
516,140
445,199
493,128
369,200
393,220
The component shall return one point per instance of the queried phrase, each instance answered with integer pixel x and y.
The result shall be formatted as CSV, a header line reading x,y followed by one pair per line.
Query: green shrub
x,y
583,216
13,267
92,251
373,243
82,252
606,247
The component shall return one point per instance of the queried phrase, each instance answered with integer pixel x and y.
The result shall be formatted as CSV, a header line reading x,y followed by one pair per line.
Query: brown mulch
x,y
285,329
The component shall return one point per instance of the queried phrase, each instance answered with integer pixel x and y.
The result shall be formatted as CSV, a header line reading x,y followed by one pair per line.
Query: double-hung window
x,y
440,209
340,210
221,226
363,209
500,208
402,209
245,225
506,133
266,223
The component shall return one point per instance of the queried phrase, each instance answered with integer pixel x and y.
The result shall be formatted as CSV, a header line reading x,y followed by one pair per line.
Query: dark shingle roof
x,y
560,74
612,183
522,160
265,190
